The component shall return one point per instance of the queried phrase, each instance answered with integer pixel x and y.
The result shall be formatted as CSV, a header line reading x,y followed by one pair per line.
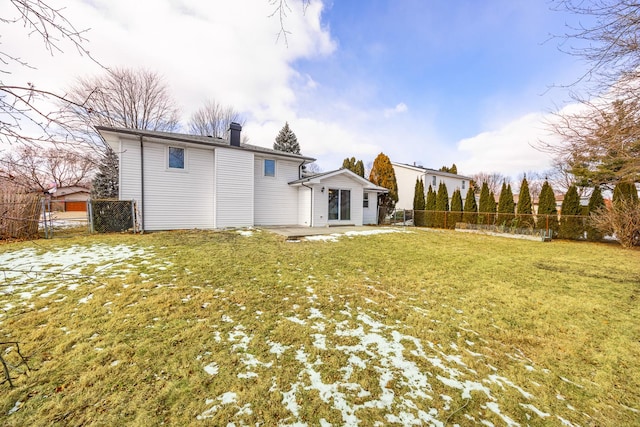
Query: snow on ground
x,y
335,236
29,273
405,373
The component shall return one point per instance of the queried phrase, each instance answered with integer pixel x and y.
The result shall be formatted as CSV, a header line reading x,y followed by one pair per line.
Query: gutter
x,y
142,184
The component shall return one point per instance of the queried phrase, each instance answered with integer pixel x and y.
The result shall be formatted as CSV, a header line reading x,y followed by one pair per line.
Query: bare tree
x,y
494,180
214,119
34,168
24,119
122,97
281,10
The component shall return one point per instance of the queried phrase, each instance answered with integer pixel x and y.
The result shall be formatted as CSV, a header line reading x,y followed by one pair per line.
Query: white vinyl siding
x,y
276,202
370,213
305,205
177,200
234,188
321,207
130,183
406,180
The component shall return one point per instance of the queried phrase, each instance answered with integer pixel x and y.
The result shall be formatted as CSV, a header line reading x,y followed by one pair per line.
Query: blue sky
x,y
433,82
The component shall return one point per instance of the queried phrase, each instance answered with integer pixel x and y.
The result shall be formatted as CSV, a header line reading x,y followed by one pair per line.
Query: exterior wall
x,y
321,199
370,214
177,199
406,180
130,171
234,193
305,206
276,202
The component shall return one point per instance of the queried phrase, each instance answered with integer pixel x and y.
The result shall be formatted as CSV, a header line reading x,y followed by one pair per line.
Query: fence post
x,y
133,216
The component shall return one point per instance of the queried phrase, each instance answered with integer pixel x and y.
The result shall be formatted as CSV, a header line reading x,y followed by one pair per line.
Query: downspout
x,y
142,184
311,217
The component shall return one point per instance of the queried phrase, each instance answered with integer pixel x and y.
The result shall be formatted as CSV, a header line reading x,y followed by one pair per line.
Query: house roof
x,y
201,140
319,177
430,171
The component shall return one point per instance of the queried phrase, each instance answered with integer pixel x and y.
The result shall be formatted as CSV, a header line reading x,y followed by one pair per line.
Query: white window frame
x,y
433,181
463,184
365,200
184,159
264,168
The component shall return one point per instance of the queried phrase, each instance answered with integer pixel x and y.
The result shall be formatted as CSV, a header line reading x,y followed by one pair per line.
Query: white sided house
x,y
406,176
184,181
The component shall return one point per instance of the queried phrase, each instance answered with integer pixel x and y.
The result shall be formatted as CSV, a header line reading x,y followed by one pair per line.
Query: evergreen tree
x,y
418,204
625,190
442,206
456,209
354,166
547,211
382,174
596,202
524,209
105,183
470,208
506,206
430,207
486,203
453,169
570,223
287,141
492,208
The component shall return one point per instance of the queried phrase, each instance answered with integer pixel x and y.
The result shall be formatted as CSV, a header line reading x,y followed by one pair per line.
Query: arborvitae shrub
x,y
571,225
456,209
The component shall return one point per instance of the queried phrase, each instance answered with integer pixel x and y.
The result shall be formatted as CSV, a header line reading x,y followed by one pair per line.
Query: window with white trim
x,y
176,158
463,184
269,167
339,204
365,200
433,180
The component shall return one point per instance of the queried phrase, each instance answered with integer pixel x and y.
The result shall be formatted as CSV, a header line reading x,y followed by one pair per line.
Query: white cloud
x,y
510,149
398,109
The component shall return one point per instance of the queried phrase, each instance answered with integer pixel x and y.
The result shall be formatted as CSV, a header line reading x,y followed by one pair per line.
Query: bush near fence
x,y
112,215
19,215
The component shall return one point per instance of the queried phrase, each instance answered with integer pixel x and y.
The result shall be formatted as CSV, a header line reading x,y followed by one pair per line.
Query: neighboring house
x,y
186,181
406,176
68,199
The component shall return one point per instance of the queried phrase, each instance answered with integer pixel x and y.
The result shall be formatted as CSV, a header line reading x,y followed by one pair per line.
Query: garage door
x,y
76,206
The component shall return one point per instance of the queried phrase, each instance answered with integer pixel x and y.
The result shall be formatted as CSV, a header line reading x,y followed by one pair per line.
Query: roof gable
x,y
319,177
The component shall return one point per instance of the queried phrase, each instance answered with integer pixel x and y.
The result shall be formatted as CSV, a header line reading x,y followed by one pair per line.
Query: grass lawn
x,y
405,328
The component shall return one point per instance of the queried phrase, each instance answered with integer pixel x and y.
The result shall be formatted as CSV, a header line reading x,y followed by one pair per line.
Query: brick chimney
x,y
234,134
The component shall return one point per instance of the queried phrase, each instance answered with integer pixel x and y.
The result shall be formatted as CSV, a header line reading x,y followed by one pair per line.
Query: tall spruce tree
x,y
442,206
492,208
486,203
570,222
456,209
287,140
505,206
470,215
418,204
547,211
523,209
383,175
596,203
430,207
105,183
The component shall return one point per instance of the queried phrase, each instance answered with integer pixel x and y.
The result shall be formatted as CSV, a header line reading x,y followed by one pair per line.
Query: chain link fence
x,y
112,216
545,227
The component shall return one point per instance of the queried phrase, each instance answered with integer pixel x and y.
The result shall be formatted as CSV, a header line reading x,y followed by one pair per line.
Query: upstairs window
x,y
463,184
176,158
269,167
433,180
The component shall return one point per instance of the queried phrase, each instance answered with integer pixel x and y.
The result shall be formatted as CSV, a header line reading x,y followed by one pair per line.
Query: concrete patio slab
x,y
297,232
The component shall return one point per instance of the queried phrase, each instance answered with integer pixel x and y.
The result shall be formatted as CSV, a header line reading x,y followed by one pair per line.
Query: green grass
x,y
418,318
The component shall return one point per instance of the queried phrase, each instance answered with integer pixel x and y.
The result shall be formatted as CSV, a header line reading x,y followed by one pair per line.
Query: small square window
x,y
176,158
269,167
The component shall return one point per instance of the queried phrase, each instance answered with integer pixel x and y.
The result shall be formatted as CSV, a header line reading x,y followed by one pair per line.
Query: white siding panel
x,y
406,180
130,172
234,188
304,206
178,199
276,202
370,214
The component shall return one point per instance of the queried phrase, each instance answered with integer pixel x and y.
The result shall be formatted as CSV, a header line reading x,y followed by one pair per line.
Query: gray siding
x,y
276,202
234,202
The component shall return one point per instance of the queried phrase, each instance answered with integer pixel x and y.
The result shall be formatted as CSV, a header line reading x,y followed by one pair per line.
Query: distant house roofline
x,y
431,171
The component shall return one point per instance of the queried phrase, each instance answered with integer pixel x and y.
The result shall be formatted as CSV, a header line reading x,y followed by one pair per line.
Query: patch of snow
x,y
85,299
495,408
211,368
15,408
535,410
296,320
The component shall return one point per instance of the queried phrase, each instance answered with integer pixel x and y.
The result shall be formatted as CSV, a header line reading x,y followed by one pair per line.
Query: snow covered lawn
x,y
242,329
